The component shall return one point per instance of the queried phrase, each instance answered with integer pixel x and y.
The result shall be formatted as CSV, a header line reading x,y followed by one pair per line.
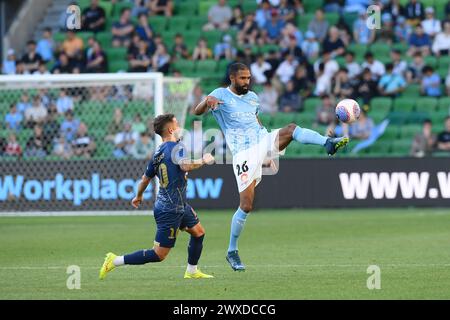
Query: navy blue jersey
x,y
172,180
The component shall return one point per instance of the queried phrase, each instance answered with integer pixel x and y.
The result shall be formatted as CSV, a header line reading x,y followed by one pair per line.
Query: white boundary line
x,y
75,213
398,265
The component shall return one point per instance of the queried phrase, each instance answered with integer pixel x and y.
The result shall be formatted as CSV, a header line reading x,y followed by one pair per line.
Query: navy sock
x,y
195,249
141,257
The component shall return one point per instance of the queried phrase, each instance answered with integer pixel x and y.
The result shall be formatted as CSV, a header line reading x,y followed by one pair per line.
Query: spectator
x,y
286,69
325,113
268,99
414,72
273,58
361,33
93,18
46,45
13,120
64,102
424,142
69,126
361,129
247,57
343,88
42,69
63,65
83,145
355,5
431,26
386,34
294,49
225,49
44,97
447,83
376,67
263,14
395,9
115,126
402,30
201,51
431,82
73,46
345,32
287,11
366,88
3,143
161,7
141,61
31,59
122,30
96,61
319,25
419,42
310,46
13,148
36,114
302,84
248,31
334,5
24,103
144,147
447,11
9,64
400,66
143,29
62,148
161,59
323,83
289,32
330,65
138,125
180,50
414,12
124,141
272,29
443,139
20,67
238,18
259,70
333,43
353,67
50,127
195,97
35,146
391,84
290,100
441,44
219,16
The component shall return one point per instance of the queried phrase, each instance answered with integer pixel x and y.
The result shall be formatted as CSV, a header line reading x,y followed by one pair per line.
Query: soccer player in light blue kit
x,y
236,110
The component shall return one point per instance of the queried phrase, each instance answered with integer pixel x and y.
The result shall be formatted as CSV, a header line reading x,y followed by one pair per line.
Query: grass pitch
x,y
290,254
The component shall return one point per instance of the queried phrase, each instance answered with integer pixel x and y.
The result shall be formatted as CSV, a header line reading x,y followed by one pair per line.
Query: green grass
x,y
290,254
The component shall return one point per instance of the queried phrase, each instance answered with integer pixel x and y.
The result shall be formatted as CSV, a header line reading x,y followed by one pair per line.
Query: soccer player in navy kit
x,y
171,211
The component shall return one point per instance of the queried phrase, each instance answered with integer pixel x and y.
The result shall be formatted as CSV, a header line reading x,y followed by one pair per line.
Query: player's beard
x,y
241,89
178,133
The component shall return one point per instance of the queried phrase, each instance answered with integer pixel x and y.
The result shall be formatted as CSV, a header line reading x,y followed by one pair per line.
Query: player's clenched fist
x,y
208,158
212,102
136,202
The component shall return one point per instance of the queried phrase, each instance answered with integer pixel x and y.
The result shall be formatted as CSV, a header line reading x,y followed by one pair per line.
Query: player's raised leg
x,y
308,136
246,198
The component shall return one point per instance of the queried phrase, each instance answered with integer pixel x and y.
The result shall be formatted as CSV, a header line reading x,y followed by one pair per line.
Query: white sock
x,y
118,261
191,269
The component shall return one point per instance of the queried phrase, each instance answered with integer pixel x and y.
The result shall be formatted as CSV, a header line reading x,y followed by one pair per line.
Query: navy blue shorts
x,y
168,225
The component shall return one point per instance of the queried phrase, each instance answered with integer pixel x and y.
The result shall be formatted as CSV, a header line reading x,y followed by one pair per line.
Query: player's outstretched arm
x,y
141,188
189,165
209,102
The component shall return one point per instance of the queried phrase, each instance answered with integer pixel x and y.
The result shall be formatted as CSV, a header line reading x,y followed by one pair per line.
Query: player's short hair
x,y
160,122
236,67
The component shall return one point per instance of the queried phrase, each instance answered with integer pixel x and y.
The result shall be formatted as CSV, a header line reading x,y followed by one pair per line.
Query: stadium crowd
x,y
315,62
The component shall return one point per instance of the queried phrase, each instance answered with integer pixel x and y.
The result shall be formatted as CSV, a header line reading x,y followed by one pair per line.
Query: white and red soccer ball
x,y
348,111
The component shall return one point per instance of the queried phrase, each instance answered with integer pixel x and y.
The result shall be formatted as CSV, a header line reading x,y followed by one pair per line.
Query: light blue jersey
x,y
237,119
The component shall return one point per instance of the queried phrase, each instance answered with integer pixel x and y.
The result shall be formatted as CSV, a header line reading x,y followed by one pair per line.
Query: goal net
x,y
81,142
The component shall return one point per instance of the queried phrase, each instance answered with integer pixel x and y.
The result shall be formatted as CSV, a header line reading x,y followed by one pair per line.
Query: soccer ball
x,y
348,110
